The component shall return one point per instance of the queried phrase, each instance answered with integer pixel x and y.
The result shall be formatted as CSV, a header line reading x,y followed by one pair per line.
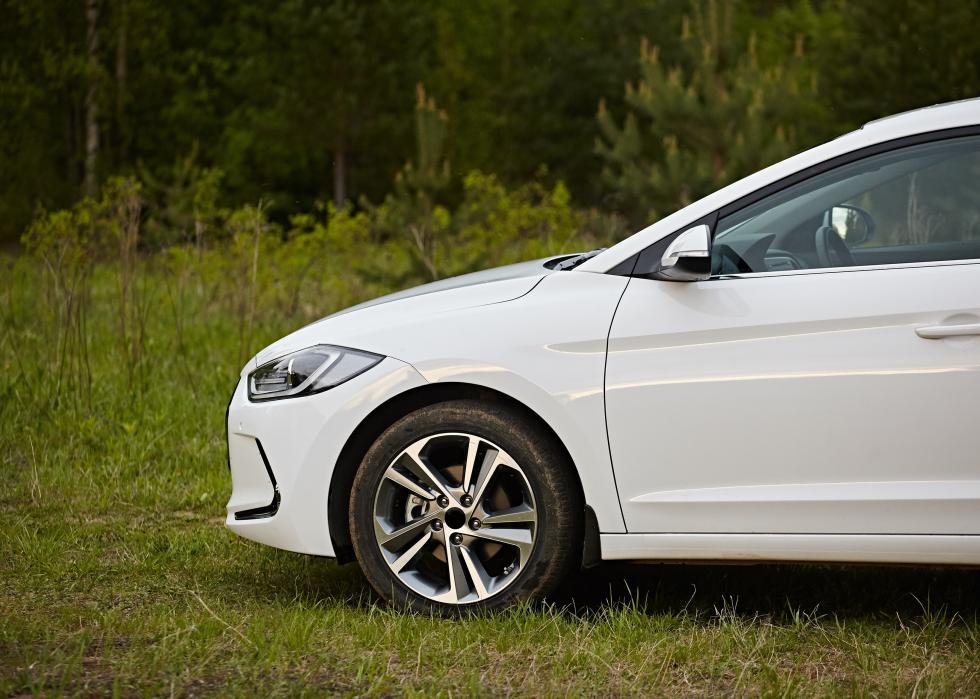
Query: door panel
x,y
802,403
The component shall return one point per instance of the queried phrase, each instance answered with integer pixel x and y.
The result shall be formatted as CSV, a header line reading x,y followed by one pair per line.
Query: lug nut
x,y
443,501
436,526
475,523
466,501
456,538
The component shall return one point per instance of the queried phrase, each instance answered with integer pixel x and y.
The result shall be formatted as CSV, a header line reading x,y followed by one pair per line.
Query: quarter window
x,y
915,204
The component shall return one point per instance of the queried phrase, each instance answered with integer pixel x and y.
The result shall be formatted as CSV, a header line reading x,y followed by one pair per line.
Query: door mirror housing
x,y
853,224
688,257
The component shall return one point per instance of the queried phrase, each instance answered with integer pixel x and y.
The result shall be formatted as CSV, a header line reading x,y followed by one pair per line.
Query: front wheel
x,y
465,505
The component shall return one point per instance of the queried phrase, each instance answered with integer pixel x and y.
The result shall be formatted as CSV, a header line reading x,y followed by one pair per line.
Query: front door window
x,y
916,204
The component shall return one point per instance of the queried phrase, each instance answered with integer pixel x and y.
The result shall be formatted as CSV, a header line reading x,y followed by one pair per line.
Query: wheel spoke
x,y
407,483
521,538
458,587
471,448
424,471
491,460
398,536
522,514
478,574
410,553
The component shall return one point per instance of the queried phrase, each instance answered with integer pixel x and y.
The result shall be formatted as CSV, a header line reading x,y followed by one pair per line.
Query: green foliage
x,y
418,185
121,209
492,225
711,117
42,74
297,102
185,204
495,225
422,234
264,275
68,244
431,169
521,80
880,58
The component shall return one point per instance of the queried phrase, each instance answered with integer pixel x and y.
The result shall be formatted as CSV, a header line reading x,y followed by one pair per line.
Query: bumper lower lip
x,y
273,507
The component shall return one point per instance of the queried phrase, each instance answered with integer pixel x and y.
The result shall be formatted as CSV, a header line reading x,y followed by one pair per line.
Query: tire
x,y
408,498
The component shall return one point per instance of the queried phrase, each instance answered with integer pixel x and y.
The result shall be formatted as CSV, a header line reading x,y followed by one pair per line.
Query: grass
x,y
117,576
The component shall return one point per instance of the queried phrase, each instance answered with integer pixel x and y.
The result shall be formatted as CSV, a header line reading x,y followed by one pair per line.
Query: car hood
x,y
495,285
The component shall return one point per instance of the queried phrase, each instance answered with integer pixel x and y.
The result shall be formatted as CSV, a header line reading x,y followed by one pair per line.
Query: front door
x,y
815,384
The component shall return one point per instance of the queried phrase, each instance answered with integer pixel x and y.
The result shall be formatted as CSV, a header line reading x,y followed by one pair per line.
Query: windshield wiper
x,y
573,262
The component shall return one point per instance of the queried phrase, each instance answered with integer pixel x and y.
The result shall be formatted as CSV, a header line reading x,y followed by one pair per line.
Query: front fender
x,y
576,414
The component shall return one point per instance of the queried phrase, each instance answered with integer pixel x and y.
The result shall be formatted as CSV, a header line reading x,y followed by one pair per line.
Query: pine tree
x,y
711,118
429,174
413,204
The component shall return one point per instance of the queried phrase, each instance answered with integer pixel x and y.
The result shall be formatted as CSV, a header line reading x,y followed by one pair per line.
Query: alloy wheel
x,y
455,518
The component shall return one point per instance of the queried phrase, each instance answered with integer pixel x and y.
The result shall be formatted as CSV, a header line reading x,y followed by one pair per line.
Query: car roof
x,y
933,111
938,117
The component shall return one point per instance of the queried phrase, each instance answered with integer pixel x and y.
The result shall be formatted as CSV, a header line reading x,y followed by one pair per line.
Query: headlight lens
x,y
308,371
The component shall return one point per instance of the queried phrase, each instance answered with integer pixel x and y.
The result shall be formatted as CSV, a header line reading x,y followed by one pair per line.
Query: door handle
x,y
938,332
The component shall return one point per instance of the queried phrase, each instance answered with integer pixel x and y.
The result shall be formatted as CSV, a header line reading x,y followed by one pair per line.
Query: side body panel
x,y
804,403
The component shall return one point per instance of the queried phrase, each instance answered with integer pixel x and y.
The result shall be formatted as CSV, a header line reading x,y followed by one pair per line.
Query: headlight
x,y
308,371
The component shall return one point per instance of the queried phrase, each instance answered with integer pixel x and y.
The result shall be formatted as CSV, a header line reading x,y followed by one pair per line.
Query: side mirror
x,y
688,257
854,225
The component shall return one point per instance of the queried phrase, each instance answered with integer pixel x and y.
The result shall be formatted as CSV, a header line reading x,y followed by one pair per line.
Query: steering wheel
x,y
832,251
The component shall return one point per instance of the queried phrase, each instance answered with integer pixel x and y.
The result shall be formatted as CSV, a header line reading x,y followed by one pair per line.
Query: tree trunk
x,y
340,172
122,74
90,184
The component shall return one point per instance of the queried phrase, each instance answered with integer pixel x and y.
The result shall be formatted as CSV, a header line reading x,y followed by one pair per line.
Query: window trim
x,y
841,270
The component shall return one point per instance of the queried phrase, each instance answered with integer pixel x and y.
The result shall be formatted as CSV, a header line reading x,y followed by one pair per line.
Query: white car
x,y
785,370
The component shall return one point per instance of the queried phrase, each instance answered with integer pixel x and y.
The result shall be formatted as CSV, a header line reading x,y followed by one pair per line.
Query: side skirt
x,y
939,549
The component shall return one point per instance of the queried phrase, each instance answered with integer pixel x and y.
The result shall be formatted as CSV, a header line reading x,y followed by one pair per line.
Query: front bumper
x,y
282,455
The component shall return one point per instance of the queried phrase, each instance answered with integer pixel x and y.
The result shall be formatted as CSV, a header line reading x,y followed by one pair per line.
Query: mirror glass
x,y
852,224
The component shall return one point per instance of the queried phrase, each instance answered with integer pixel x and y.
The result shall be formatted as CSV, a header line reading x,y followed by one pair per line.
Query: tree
x,y
299,101
322,93
880,58
521,80
413,204
90,182
709,116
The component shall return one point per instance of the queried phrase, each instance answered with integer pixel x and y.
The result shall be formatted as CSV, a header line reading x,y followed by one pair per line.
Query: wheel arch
x,y
382,417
